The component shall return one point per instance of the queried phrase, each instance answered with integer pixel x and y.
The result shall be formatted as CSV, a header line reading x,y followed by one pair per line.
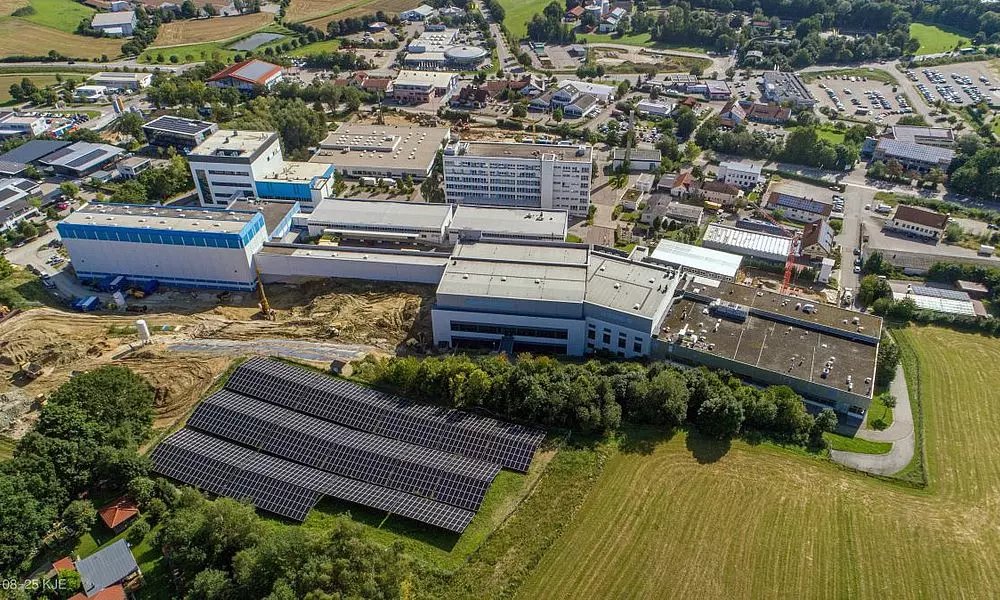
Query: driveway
x,y
900,434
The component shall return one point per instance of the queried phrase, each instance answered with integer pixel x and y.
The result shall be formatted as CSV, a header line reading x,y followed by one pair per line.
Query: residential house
x,y
672,214
732,114
115,24
685,186
110,566
817,240
720,192
363,81
574,14
247,76
798,208
118,515
772,114
919,222
470,97
612,20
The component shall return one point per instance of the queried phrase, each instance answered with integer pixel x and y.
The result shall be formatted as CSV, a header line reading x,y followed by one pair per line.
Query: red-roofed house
x,y
119,514
574,13
63,564
684,185
247,75
363,81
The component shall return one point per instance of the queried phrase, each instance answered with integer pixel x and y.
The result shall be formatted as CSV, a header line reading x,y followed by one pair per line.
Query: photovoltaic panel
x,y
349,452
355,406
283,487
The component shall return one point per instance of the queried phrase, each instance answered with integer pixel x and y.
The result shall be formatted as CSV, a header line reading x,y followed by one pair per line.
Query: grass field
x,y
856,444
318,13
63,15
199,31
684,517
7,446
934,38
517,13
197,52
316,47
39,79
19,37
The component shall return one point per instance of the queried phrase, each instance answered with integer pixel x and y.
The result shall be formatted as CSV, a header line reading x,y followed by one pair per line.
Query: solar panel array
x,y
283,487
317,443
933,292
511,446
284,437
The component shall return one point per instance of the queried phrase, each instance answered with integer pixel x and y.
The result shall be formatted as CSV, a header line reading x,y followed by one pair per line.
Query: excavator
x,y
266,312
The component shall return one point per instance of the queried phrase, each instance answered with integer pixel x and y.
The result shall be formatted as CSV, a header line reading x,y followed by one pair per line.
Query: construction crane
x,y
266,312
792,248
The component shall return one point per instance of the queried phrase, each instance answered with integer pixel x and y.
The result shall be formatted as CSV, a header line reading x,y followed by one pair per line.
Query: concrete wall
x,y
276,267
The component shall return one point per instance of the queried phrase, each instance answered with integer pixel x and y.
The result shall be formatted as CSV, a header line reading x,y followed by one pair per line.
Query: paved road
x,y
900,434
128,65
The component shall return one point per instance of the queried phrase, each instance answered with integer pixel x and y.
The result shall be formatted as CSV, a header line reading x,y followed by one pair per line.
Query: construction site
x,y
195,336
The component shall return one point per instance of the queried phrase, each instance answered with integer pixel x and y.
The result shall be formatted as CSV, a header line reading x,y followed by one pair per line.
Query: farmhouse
x,y
115,24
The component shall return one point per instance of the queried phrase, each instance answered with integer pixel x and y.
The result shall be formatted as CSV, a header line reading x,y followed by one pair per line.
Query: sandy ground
x,y
196,336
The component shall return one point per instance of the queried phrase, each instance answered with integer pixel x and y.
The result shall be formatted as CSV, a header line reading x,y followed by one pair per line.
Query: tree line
x,y
597,396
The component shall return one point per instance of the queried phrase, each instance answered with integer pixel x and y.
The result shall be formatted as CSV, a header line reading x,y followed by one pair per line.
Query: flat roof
x,y
510,220
792,351
746,239
333,212
232,143
121,76
695,257
371,255
910,133
514,280
914,151
179,125
292,170
273,211
541,253
113,18
160,217
437,79
353,146
519,150
627,286
826,315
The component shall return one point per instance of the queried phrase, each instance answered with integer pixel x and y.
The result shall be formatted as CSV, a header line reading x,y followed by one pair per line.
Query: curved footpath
x,y
900,434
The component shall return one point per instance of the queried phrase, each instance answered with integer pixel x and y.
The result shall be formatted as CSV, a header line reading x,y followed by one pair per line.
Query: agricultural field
x,y
187,53
686,517
518,13
935,39
322,13
315,48
63,15
20,37
199,31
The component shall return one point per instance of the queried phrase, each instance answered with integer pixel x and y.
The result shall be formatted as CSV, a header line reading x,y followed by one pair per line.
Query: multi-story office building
x,y
519,175
184,246
740,174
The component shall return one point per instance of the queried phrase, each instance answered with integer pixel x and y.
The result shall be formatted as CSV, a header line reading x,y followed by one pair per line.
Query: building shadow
x,y
707,450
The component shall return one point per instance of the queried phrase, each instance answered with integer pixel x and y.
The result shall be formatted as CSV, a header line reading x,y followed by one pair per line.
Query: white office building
x,y
549,297
226,165
540,176
741,174
183,247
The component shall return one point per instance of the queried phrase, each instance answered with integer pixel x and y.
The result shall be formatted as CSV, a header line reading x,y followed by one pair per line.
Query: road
x,y
504,54
130,64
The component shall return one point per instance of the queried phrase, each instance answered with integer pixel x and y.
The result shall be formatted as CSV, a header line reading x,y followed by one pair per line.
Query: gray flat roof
x,y
553,254
33,150
708,260
535,151
380,213
106,567
353,146
510,220
348,253
499,279
627,286
81,156
227,142
747,240
160,217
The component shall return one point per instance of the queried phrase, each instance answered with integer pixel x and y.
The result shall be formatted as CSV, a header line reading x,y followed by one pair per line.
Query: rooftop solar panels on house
x,y
922,290
284,437
352,405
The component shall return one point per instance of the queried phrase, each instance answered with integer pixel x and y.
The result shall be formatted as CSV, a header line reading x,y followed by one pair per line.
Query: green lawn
x,y
684,517
831,135
856,444
6,447
196,52
879,415
24,290
935,38
315,48
872,74
63,15
633,39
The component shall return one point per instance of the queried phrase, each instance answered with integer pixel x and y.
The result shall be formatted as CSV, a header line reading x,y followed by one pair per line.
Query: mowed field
x,y
517,13
685,518
19,37
198,31
318,13
934,39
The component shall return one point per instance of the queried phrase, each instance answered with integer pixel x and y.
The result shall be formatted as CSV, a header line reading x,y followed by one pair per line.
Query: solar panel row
x,y
282,487
349,404
426,472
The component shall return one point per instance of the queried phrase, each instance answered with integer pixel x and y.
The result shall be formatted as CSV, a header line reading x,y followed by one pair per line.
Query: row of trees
x,y
86,437
597,396
550,27
156,185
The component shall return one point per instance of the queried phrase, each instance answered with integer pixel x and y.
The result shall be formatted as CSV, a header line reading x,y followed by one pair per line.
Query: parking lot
x,y
958,84
861,98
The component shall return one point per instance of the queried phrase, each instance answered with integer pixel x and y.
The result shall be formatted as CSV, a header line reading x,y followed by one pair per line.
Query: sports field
x,y
934,38
687,518
209,30
20,37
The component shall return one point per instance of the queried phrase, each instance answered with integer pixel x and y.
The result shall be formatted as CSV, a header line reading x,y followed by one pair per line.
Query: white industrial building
x,y
551,297
183,247
752,244
382,150
381,220
697,260
741,174
291,263
230,165
121,80
519,175
13,124
491,223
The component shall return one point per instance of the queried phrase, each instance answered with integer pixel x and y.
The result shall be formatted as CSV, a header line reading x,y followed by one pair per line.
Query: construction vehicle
x,y
32,370
266,312
792,248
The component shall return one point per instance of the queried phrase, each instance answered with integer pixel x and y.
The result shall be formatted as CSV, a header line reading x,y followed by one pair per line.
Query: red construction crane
x,y
792,249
